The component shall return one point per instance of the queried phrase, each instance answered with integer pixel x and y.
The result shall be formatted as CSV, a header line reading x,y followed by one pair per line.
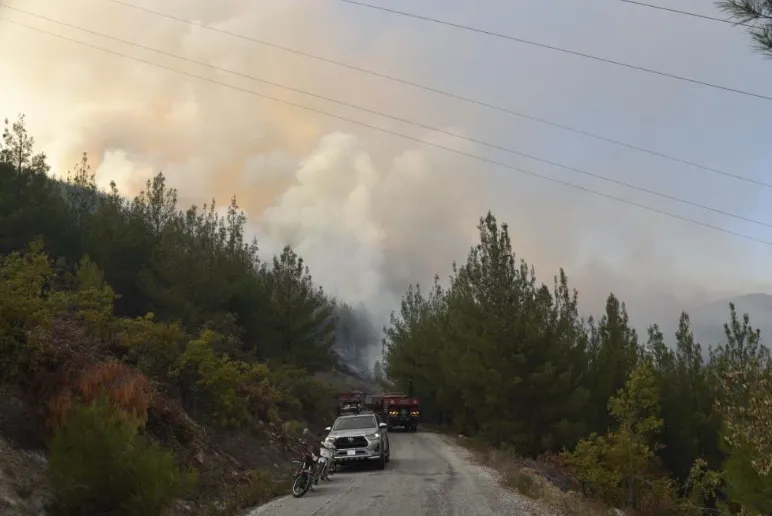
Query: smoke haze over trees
x,y
118,279
357,339
346,198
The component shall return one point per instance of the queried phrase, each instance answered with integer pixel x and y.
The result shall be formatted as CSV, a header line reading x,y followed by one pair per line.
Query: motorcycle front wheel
x,y
301,485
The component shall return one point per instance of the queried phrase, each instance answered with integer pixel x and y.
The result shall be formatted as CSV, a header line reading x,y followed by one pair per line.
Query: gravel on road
x,y
427,476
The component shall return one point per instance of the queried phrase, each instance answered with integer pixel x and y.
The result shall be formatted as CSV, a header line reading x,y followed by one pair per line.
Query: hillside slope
x,y
151,342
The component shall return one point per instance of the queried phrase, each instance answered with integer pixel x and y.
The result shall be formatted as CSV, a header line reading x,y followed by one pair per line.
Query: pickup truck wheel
x,y
388,455
381,461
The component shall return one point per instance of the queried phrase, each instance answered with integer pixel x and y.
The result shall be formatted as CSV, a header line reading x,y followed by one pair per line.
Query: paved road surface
x,y
427,476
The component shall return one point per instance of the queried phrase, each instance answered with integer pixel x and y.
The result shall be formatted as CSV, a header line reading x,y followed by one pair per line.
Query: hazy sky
x,y
372,212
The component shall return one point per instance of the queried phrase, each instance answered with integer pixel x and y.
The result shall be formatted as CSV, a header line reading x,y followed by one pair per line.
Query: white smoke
x,y
371,213
368,231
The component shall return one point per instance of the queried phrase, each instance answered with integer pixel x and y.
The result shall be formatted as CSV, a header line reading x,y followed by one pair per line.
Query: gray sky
x,y
372,212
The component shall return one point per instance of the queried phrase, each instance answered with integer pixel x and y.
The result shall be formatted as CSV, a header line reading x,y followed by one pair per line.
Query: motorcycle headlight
x,y
372,437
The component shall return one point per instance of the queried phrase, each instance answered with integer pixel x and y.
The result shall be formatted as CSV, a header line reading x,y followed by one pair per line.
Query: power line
x,y
404,120
686,13
557,49
447,94
395,133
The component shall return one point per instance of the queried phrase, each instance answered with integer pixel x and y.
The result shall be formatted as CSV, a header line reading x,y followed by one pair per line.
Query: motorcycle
x,y
326,462
304,475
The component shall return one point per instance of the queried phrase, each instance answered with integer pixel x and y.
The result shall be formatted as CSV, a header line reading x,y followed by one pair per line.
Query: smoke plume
x,y
372,213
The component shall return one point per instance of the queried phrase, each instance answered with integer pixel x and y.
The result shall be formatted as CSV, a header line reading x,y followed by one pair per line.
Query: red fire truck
x,y
350,402
402,411
394,408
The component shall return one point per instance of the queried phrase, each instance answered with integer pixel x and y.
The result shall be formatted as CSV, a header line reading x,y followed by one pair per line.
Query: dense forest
x,y
128,323
643,423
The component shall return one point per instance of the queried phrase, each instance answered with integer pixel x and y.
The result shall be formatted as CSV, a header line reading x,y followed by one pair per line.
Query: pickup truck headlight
x,y
373,437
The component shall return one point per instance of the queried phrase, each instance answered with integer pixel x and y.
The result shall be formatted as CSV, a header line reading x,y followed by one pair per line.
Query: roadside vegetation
x,y
646,424
141,337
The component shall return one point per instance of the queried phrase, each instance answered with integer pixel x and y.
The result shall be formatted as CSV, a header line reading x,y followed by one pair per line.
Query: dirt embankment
x,y
23,484
226,460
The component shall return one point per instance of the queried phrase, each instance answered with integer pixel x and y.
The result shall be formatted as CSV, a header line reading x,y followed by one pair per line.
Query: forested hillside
x,y
137,333
643,422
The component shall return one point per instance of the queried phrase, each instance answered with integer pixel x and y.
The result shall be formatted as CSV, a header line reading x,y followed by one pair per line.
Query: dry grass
x,y
523,482
540,480
127,389
260,487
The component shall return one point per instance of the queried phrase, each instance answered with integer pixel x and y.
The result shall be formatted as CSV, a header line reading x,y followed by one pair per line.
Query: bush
x,y
524,483
229,387
154,347
126,389
23,308
303,397
99,464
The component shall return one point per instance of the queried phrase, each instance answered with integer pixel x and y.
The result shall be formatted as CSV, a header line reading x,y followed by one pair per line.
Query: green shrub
x,y
23,310
234,390
303,397
153,346
99,464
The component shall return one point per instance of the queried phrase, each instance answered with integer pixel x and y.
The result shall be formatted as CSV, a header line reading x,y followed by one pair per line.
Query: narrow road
x,y
427,476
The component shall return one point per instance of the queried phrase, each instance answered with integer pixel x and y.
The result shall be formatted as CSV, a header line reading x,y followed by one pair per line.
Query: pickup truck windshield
x,y
354,423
